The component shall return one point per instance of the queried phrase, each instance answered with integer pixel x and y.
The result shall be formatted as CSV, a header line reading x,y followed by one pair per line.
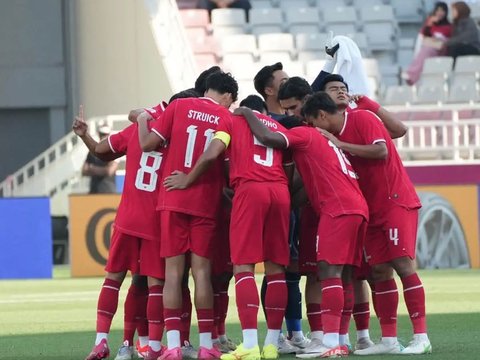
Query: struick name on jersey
x,y
269,123
201,116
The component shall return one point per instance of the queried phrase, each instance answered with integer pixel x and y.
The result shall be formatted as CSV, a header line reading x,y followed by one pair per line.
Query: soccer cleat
x,y
313,344
321,351
284,346
381,348
223,348
270,351
125,352
207,354
171,354
240,353
345,350
188,351
418,347
152,354
300,343
228,344
364,343
141,350
100,351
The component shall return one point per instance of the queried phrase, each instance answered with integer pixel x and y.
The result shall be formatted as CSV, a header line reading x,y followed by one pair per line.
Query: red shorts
x,y
340,239
394,237
140,256
221,262
151,264
259,225
307,256
181,233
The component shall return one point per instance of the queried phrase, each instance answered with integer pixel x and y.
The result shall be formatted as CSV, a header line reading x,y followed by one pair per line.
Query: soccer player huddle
x,y
306,181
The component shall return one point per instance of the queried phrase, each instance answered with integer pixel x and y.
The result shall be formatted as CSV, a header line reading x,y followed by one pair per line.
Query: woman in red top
x,y
436,30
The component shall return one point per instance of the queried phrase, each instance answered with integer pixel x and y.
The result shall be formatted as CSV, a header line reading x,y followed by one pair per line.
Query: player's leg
x,y
188,350
221,283
313,298
156,322
361,313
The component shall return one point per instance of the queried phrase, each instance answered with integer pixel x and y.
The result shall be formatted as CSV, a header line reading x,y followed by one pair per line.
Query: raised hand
x,y
80,126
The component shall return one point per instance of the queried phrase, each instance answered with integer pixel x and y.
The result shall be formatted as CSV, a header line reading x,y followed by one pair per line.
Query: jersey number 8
x,y
151,170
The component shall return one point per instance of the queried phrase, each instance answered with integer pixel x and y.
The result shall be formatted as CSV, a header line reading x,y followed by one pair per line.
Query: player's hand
x,y
355,97
333,139
242,110
144,116
80,126
176,181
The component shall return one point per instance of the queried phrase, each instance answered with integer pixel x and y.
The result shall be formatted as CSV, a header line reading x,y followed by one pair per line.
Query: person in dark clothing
x,y
222,4
465,39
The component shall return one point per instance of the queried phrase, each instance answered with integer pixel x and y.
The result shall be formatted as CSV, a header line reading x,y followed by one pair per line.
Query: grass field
x,y
55,319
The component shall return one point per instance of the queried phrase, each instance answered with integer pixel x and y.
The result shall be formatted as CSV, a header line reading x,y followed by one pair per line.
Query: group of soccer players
x,y
215,192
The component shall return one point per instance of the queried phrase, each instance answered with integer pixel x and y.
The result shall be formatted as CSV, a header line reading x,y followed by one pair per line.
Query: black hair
x,y
295,87
319,101
201,82
332,78
290,122
264,78
189,93
254,102
441,5
223,83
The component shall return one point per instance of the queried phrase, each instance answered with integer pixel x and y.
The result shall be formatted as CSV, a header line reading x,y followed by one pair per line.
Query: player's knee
x,y
404,266
381,272
116,276
272,268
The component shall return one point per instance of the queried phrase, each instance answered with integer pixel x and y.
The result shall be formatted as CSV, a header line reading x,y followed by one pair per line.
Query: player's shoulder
x,y
363,116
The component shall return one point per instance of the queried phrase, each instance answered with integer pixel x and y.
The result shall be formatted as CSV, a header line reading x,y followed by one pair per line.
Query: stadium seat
x,y
192,18
463,91
294,68
390,75
245,88
362,42
196,34
431,94
380,25
313,68
288,5
468,66
240,43
242,71
205,45
410,11
238,60
302,20
366,3
261,4
228,21
436,70
279,44
264,21
405,51
340,19
475,11
399,95
330,4
204,61
310,46
269,58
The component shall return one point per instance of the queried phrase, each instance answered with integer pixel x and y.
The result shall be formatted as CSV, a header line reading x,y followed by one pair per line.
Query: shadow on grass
x,y
454,336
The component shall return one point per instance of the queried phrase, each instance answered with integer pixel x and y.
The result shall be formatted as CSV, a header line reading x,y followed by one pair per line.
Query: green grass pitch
x,y
55,319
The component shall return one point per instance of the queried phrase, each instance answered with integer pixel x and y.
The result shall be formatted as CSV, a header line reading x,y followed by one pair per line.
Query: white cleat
x,y
364,343
317,350
418,347
125,352
300,343
284,346
381,348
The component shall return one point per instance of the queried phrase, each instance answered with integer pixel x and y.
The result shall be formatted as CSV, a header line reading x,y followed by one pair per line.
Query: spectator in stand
x,y
436,30
465,38
102,174
223,4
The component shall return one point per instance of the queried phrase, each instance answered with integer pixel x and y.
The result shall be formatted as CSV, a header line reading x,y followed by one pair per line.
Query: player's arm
x,y
134,114
149,140
261,132
395,127
179,180
376,151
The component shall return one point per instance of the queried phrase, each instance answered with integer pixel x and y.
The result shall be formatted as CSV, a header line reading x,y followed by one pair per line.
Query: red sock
x,y
134,308
155,312
314,315
247,299
172,318
142,321
348,300
205,320
332,304
186,316
374,298
361,315
275,300
386,298
107,304
223,311
414,295
216,312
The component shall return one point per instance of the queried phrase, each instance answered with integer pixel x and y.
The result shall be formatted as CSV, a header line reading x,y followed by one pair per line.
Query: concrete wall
x,y
116,64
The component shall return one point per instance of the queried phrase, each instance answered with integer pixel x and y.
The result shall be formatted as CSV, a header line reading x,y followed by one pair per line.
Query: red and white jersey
x,y
188,125
156,111
136,213
250,160
329,179
383,182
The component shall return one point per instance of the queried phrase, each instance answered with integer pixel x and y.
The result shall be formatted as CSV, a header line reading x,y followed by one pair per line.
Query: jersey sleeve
x,y
297,138
370,127
119,142
163,128
155,111
224,131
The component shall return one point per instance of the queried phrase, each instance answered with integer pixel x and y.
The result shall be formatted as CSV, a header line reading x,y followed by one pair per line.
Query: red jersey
x,y
250,160
188,125
136,213
329,179
383,182
156,111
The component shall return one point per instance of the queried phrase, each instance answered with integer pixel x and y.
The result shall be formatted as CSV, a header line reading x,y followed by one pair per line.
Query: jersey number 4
x,y
192,138
146,179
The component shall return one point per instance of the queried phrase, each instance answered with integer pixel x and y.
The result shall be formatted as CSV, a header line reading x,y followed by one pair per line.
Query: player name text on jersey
x,y
200,116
